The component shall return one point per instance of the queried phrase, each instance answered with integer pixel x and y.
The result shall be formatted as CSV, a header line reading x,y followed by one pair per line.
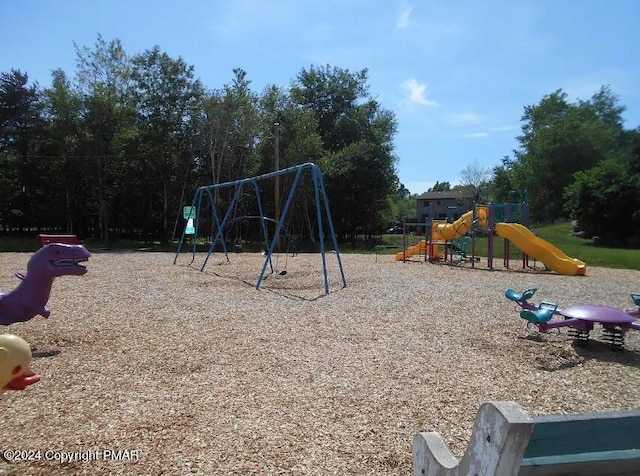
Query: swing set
x,y
270,243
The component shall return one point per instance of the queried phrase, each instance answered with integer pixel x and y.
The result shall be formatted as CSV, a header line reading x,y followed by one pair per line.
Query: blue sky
x,y
457,74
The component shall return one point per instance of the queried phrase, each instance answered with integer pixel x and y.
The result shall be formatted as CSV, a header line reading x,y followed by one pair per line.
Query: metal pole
x,y
276,147
327,210
507,218
473,234
431,239
404,239
426,239
491,223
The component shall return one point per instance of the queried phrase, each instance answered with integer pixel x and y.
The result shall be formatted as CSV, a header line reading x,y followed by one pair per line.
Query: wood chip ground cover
x,y
200,373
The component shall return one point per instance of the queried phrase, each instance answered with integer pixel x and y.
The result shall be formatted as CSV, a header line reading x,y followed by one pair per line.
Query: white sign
x,y
190,229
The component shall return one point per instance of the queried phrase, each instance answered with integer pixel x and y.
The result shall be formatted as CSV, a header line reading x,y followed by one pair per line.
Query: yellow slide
x,y
552,257
450,231
412,251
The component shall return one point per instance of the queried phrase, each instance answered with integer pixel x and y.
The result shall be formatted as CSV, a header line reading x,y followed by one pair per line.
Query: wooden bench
x,y
505,441
66,239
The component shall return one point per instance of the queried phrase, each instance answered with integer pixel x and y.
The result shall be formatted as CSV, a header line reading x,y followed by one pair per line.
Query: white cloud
x,y
417,93
403,18
477,135
465,118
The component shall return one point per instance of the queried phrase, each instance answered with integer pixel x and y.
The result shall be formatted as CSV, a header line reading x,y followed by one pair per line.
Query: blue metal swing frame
x,y
320,196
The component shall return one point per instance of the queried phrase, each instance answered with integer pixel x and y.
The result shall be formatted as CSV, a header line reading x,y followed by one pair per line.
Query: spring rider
x,y
30,297
15,362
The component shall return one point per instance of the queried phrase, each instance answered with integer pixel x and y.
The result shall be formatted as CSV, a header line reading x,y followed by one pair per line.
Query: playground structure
x,y
270,242
444,238
580,319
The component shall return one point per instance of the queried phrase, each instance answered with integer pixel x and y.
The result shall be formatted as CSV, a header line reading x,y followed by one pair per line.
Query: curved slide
x,y
552,257
411,251
450,231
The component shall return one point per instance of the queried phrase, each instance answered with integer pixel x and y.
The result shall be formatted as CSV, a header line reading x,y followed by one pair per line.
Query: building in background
x,y
448,205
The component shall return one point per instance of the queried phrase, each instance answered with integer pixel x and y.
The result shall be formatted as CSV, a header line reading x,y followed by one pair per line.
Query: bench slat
x,y
583,457
587,433
620,465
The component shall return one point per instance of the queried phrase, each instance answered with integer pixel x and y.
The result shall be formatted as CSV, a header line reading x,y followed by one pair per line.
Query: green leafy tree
x,y
402,204
226,135
20,139
357,137
440,187
103,77
559,139
103,154
501,183
63,108
232,119
605,200
165,91
294,132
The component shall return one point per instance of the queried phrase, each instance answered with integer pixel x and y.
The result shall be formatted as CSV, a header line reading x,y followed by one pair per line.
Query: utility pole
x,y
276,146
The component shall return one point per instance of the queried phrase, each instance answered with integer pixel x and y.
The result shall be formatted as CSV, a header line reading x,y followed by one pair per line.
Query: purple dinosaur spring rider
x,y
579,319
30,298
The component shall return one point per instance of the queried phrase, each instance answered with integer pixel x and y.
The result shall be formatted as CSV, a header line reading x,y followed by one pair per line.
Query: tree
x,y
559,139
108,117
501,183
333,95
357,137
605,200
63,108
474,178
402,205
403,192
164,90
440,187
109,152
20,131
232,124
294,131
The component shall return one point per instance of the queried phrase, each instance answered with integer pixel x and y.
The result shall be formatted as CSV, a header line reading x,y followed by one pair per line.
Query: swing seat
x,y
635,297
